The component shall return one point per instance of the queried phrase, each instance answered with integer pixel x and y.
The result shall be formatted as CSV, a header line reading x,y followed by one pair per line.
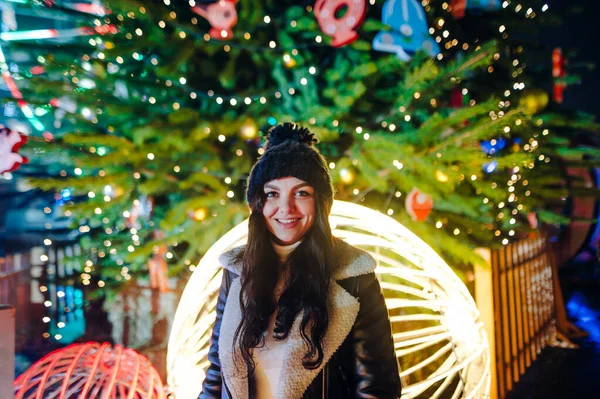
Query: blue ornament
x,y
65,194
490,167
491,147
409,33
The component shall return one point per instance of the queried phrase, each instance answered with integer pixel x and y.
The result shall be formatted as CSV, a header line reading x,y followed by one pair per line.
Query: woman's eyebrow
x,y
301,185
296,187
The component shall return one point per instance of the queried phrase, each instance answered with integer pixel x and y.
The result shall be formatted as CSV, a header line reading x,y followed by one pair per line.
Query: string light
x,y
248,100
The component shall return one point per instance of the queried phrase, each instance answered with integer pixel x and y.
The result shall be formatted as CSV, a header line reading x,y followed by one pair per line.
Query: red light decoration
x,y
341,28
559,70
90,370
37,70
222,16
458,8
418,205
10,142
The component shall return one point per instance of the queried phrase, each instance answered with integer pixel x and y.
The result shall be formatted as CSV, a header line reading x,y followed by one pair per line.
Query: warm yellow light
x,y
249,129
347,176
441,176
200,214
433,314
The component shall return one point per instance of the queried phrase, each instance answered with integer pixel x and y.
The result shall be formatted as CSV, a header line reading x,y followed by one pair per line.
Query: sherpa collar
x,y
350,261
294,379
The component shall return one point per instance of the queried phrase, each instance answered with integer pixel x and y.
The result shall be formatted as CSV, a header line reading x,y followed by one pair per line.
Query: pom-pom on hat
x,y
290,152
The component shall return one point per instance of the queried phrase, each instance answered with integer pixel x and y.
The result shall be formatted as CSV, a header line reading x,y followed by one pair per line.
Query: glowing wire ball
x,y
90,370
441,345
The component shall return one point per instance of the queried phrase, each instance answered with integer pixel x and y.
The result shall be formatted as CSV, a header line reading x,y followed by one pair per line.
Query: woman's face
x,y
289,209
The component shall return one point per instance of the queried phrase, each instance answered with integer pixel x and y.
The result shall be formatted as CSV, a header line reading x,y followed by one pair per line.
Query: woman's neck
x,y
284,251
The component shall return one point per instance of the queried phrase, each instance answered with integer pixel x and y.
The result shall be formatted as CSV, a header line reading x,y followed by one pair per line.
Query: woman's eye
x,y
270,194
302,193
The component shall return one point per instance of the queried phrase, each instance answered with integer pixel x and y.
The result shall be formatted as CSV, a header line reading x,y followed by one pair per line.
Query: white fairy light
x,y
442,325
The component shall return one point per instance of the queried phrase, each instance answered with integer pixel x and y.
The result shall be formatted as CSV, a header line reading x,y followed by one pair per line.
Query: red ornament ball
x,y
90,370
418,204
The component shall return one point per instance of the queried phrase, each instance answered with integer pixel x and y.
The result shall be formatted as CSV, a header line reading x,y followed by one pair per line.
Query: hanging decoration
x,y
88,370
249,129
347,175
490,167
10,142
457,98
341,28
418,205
198,214
492,146
141,207
441,176
458,7
409,31
532,219
533,100
289,61
157,265
222,16
559,70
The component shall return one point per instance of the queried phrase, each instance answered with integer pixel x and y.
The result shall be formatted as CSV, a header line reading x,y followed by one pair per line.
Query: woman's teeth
x,y
287,221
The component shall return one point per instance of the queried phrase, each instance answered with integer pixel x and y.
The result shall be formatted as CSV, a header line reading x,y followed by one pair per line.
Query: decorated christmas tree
x,y
443,115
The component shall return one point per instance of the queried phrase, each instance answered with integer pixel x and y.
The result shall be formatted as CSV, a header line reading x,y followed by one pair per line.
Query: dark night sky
x,y
580,32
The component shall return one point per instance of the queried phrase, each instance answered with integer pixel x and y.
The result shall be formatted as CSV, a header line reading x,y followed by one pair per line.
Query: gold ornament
x,y
534,100
347,176
289,61
119,191
249,130
441,176
200,214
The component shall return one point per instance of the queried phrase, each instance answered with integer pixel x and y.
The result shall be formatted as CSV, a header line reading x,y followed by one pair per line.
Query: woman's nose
x,y
287,204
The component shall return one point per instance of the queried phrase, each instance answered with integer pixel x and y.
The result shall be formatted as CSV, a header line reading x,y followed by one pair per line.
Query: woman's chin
x,y
286,240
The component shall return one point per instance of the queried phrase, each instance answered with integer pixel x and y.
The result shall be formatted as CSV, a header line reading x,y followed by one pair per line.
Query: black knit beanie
x,y
290,152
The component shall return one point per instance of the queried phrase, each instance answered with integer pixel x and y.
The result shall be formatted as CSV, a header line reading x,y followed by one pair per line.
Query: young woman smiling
x,y
300,313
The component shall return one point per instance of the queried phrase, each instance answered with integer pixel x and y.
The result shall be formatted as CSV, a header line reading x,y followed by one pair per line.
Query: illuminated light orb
x,y
441,346
90,370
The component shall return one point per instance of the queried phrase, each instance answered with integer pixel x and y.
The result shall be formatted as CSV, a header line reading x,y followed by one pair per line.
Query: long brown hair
x,y
308,285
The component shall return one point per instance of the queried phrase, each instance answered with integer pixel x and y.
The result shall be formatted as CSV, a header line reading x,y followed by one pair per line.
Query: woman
x,y
300,314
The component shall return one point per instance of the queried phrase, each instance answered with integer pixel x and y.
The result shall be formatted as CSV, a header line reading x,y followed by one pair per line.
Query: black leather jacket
x,y
365,366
